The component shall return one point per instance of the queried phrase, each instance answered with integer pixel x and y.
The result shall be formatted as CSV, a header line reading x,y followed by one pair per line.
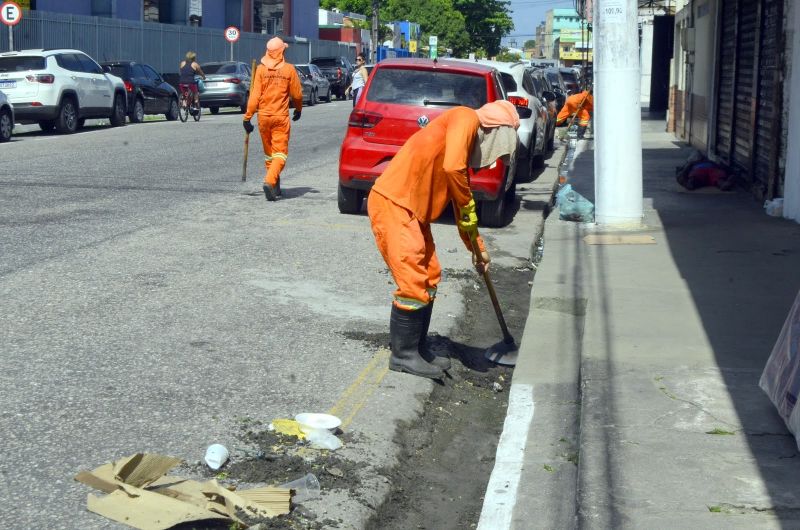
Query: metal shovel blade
x,y
503,353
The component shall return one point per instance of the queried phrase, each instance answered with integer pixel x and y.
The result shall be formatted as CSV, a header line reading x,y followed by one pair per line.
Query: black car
x,y
338,71
570,78
557,84
146,89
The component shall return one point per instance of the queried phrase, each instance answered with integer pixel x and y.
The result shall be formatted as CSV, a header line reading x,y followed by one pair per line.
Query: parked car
x,y
60,89
557,85
308,87
147,92
320,82
571,81
543,90
400,97
533,132
227,84
6,118
338,71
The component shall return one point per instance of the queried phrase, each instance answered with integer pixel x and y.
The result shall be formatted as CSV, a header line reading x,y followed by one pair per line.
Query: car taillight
x,y
518,101
363,119
41,78
234,80
128,86
339,73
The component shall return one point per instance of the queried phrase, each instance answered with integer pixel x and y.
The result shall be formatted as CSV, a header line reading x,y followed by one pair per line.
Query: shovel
x,y
244,162
503,353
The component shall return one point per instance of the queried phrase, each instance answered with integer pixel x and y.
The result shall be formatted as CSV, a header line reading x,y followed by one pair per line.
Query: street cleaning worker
x,y
428,173
274,82
581,103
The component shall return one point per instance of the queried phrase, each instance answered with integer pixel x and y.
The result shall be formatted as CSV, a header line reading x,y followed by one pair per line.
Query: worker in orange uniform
x,y
274,83
428,173
581,104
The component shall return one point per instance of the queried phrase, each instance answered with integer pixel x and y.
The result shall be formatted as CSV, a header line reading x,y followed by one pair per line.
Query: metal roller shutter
x,y
726,81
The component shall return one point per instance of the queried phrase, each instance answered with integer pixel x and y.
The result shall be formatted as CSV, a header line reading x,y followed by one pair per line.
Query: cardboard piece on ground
x,y
176,500
618,239
147,510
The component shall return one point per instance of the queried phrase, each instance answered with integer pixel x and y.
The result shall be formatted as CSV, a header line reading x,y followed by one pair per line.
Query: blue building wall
x,y
305,19
74,7
130,9
214,14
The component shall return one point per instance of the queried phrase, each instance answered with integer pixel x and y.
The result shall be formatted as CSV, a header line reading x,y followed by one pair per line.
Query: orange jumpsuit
x,y
571,107
428,173
270,92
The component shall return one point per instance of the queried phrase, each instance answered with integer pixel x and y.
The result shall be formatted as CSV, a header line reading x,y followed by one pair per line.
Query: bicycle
x,y
186,106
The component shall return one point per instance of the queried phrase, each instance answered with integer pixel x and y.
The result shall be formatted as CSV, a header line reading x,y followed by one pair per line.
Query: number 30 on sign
x,y
231,34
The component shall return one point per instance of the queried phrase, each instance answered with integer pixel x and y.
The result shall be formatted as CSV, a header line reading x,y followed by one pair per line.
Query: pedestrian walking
x,y
428,173
275,83
577,106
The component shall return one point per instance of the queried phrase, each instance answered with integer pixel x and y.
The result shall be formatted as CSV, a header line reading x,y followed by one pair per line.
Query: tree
x,y
486,21
362,7
435,17
530,43
506,56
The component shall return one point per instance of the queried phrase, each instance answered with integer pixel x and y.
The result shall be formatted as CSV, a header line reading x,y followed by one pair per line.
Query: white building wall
x,y
791,91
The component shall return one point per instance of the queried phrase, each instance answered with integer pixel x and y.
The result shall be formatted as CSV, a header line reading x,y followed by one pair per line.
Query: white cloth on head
x,y
491,144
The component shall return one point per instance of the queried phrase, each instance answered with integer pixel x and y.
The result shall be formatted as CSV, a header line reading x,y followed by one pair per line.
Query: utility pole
x,y
374,51
617,119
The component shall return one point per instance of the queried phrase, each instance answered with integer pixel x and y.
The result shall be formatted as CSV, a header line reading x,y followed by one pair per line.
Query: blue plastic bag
x,y
572,206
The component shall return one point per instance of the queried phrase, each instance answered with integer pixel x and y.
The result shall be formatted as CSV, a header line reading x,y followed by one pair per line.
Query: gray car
x,y
227,84
309,91
322,87
6,118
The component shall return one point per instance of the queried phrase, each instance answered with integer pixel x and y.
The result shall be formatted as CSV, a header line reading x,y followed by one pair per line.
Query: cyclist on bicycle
x,y
188,69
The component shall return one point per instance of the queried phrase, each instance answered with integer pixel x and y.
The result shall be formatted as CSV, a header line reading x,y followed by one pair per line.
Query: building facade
x,y
274,17
557,20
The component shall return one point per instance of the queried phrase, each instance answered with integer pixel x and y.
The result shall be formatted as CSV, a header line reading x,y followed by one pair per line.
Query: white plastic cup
x,y
305,488
216,455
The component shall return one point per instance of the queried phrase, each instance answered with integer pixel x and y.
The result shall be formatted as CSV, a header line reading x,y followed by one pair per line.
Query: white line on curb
x,y
501,492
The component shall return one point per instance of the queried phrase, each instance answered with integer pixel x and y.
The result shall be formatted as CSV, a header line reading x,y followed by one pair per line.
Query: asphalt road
x,y
151,302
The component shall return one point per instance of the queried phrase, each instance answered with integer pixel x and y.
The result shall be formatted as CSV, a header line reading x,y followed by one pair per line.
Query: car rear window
x,y
118,70
304,70
426,87
21,63
219,68
325,62
508,82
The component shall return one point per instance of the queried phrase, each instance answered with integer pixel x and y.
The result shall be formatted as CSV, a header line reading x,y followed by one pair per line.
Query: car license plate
x,y
211,84
7,83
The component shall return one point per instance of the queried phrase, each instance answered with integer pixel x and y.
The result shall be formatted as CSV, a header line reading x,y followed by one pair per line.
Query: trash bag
x,y
781,377
699,173
572,206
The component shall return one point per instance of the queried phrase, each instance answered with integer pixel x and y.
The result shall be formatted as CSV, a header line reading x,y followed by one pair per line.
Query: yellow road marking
x,y
360,390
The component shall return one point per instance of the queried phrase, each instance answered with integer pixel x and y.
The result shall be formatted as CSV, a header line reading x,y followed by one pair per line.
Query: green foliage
x,y
363,7
530,43
486,21
507,57
435,17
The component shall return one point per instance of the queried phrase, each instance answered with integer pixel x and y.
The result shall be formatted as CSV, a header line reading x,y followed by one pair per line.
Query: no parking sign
x,y
10,14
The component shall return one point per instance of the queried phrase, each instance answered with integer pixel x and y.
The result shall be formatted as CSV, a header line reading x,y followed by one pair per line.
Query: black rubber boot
x,y
439,361
405,328
278,188
269,192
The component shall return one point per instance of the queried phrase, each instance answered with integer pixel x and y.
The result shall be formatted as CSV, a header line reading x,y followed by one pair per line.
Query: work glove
x,y
468,219
248,127
296,115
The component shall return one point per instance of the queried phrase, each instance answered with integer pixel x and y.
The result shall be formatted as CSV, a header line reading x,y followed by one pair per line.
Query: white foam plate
x,y
315,420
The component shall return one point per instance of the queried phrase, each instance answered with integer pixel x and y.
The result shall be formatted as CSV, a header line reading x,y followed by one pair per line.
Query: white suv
x,y
60,89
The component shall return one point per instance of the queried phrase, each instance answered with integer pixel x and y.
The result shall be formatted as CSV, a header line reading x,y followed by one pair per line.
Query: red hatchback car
x,y
402,96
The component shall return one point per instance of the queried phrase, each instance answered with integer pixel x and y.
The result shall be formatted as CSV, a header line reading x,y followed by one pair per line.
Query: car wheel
x,y
243,108
214,110
67,120
137,114
493,213
349,199
551,140
47,125
312,99
117,117
6,125
172,112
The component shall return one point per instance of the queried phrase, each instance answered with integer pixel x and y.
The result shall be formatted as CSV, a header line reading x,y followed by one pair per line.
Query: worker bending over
x,y
580,105
274,82
428,173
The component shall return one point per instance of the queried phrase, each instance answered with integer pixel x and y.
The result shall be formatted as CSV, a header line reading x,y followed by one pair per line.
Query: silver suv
x,y
60,89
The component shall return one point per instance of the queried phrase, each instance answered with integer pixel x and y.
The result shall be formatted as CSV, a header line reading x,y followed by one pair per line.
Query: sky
x,y
527,14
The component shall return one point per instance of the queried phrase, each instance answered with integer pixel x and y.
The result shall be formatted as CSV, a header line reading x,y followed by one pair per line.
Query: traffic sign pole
x,y
10,14
11,38
232,34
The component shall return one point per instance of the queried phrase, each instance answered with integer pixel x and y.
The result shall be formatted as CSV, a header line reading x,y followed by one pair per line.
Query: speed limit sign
x,y
231,34
10,13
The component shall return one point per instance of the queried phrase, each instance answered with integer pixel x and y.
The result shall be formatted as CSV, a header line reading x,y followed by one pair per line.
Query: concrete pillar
x,y
617,114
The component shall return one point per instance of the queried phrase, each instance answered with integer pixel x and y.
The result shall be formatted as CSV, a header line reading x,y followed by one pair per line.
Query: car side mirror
x,y
524,113
549,96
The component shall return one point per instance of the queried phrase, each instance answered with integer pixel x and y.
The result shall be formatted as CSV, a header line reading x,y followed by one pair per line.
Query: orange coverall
x,y
270,92
428,173
571,107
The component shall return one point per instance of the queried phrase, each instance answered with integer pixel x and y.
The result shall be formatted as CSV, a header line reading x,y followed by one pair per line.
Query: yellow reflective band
x,y
282,156
267,158
409,303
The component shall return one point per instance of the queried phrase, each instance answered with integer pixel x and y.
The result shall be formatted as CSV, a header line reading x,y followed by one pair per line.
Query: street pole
x,y
374,51
11,38
617,120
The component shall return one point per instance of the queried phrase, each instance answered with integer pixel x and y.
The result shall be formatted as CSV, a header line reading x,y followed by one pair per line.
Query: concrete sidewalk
x,y
635,403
